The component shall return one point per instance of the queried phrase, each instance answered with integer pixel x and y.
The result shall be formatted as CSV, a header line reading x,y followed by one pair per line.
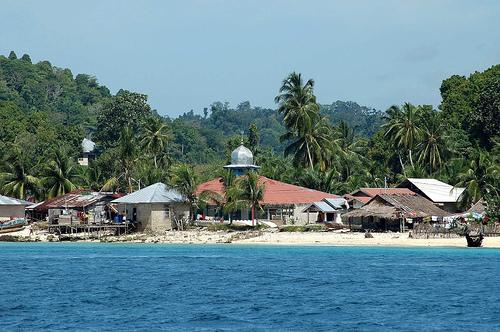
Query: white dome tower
x,y
241,160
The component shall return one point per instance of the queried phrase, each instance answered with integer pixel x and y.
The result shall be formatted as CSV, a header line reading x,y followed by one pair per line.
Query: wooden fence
x,y
426,230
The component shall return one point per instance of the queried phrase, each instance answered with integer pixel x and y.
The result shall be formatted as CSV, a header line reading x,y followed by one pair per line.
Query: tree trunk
x,y
411,159
309,156
402,165
253,215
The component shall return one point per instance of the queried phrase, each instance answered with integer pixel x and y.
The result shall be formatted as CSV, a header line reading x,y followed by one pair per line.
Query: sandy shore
x,y
358,239
201,236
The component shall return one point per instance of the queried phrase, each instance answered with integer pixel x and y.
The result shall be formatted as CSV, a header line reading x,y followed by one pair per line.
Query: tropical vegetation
x,y
46,111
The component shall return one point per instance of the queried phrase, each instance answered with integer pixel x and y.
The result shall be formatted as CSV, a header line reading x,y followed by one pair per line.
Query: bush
x,y
304,228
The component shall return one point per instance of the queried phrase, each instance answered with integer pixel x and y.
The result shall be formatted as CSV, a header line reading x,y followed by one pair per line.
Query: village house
x,y
282,203
360,197
327,210
393,212
442,194
154,208
79,206
88,152
11,208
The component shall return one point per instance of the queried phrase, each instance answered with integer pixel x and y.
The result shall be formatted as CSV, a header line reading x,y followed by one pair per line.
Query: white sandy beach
x,y
201,236
358,239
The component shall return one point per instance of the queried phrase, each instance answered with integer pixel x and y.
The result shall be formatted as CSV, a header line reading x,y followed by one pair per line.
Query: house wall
x,y
450,207
7,211
155,218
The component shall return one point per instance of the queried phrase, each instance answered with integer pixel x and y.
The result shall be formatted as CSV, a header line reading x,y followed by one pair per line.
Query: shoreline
x,y
257,237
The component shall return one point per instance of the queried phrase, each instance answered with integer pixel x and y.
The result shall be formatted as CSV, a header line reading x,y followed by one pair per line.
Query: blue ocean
x,y
137,287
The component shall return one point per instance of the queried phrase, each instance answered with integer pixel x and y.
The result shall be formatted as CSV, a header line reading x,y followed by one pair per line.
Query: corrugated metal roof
x,y
319,206
4,200
275,192
155,193
435,190
336,203
78,198
88,145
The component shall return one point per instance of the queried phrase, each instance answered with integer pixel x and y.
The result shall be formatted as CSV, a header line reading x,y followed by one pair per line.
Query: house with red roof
x,y
282,202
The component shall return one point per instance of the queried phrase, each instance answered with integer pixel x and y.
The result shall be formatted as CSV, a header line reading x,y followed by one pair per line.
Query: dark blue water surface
x,y
104,287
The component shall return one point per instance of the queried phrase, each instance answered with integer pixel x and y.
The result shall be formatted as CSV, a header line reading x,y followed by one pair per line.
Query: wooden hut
x,y
393,212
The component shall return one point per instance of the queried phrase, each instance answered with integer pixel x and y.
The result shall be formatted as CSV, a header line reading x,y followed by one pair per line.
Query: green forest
x,y
46,111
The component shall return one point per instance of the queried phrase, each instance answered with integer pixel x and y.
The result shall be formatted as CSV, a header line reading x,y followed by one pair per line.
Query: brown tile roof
x,y
275,192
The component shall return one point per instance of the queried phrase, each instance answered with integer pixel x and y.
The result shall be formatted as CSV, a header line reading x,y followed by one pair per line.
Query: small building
x,y
79,206
360,197
12,208
445,196
282,202
328,210
88,152
154,208
393,212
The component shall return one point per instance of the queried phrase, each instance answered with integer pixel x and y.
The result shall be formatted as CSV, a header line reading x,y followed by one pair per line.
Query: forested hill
x,y
43,107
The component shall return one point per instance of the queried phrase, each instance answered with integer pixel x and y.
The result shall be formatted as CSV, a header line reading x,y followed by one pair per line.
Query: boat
x,y
13,225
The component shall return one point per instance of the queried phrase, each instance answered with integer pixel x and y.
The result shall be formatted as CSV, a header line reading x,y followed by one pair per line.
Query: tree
x,y
432,148
127,154
312,146
155,138
26,58
481,178
297,103
247,192
127,109
12,55
253,136
402,127
185,180
16,180
349,150
305,127
60,175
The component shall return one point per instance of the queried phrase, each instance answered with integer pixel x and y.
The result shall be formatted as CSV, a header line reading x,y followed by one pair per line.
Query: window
x,y
166,211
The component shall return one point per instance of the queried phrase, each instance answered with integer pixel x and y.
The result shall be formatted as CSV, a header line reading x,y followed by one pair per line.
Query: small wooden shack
x,y
77,207
153,208
393,212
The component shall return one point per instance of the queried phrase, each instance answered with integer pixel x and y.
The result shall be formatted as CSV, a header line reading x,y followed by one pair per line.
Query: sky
x,y
188,54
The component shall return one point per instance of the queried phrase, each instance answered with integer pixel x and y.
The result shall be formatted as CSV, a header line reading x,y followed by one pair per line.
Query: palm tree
x,y
432,148
247,192
302,119
403,129
155,138
60,175
297,102
127,155
184,179
16,181
349,150
481,178
312,146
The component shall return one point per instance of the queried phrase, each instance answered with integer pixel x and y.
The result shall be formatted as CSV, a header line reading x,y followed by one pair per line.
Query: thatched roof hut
x,y
387,211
